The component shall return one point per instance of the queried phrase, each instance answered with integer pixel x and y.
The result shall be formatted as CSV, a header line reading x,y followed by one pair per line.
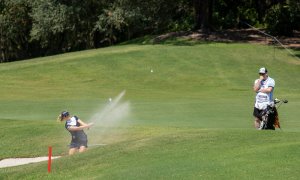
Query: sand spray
x,y
109,120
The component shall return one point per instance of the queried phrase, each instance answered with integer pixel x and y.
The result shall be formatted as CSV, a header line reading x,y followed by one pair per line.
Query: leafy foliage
x,y
279,21
295,13
14,30
49,19
114,21
45,27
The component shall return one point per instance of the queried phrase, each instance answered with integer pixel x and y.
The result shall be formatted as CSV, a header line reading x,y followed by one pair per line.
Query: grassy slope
x,y
190,118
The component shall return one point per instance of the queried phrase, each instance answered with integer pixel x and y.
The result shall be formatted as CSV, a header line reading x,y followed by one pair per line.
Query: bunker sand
x,y
10,162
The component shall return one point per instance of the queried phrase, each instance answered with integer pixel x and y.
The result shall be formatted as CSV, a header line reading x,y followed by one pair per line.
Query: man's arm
x,y
256,85
266,90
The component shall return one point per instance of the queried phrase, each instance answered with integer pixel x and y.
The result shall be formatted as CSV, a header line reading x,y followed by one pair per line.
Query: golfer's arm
x,y
82,123
75,128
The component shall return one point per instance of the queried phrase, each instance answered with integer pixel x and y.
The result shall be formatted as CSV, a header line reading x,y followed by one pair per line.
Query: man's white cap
x,y
263,70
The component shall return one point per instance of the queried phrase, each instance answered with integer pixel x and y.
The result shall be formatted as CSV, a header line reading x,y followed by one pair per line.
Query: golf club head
x,y
285,101
276,101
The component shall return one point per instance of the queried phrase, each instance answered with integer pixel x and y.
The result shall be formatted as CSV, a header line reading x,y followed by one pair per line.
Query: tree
x,y
110,22
295,13
44,27
14,29
203,14
82,18
50,22
283,17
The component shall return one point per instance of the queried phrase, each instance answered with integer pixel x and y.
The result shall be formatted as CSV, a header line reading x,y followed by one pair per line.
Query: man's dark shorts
x,y
257,113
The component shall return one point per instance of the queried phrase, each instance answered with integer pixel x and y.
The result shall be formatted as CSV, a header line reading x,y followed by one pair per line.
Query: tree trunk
x,y
2,56
203,14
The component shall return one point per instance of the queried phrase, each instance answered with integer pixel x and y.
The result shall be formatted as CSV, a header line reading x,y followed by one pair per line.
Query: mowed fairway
x,y
191,118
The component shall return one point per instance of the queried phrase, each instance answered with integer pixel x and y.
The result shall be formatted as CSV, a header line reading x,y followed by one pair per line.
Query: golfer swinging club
x,y
75,126
264,87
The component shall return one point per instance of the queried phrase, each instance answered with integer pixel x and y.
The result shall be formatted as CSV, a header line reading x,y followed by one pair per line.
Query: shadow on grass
x,y
189,38
293,52
176,41
297,53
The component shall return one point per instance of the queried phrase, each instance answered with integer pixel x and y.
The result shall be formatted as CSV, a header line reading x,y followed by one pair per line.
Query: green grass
x,y
190,119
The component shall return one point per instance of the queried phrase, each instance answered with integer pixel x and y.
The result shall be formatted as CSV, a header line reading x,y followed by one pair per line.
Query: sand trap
x,y
21,161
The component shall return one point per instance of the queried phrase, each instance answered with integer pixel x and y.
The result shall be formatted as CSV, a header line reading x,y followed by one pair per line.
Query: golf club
x,y
276,101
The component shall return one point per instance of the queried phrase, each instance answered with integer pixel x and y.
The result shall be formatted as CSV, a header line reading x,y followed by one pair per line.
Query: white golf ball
x,y
110,99
151,70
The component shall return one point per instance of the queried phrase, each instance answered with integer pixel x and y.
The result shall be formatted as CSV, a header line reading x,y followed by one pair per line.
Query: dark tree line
x,y
44,27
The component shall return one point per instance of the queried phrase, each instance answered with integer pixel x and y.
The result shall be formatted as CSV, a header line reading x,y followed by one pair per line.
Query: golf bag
x,y
269,116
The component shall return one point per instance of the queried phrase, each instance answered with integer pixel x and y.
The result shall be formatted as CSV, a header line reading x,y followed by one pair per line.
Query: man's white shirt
x,y
263,99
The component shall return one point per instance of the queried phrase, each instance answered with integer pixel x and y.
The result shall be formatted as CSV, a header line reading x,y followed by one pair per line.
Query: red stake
x,y
49,159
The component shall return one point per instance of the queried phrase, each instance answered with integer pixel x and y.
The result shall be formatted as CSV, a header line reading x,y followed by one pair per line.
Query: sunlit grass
x,y
191,118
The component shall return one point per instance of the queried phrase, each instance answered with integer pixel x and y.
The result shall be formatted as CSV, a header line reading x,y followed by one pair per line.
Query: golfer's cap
x,y
263,70
65,114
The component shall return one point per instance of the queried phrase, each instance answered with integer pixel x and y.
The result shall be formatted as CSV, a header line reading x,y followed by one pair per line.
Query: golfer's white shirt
x,y
72,121
263,99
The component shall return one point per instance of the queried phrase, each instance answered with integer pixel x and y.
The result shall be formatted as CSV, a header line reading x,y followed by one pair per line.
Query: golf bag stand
x,y
269,116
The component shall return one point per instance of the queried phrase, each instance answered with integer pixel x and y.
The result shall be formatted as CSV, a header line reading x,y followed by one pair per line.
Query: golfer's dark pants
x,y
79,138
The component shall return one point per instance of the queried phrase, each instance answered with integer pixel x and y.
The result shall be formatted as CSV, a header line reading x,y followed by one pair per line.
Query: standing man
x,y
264,87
